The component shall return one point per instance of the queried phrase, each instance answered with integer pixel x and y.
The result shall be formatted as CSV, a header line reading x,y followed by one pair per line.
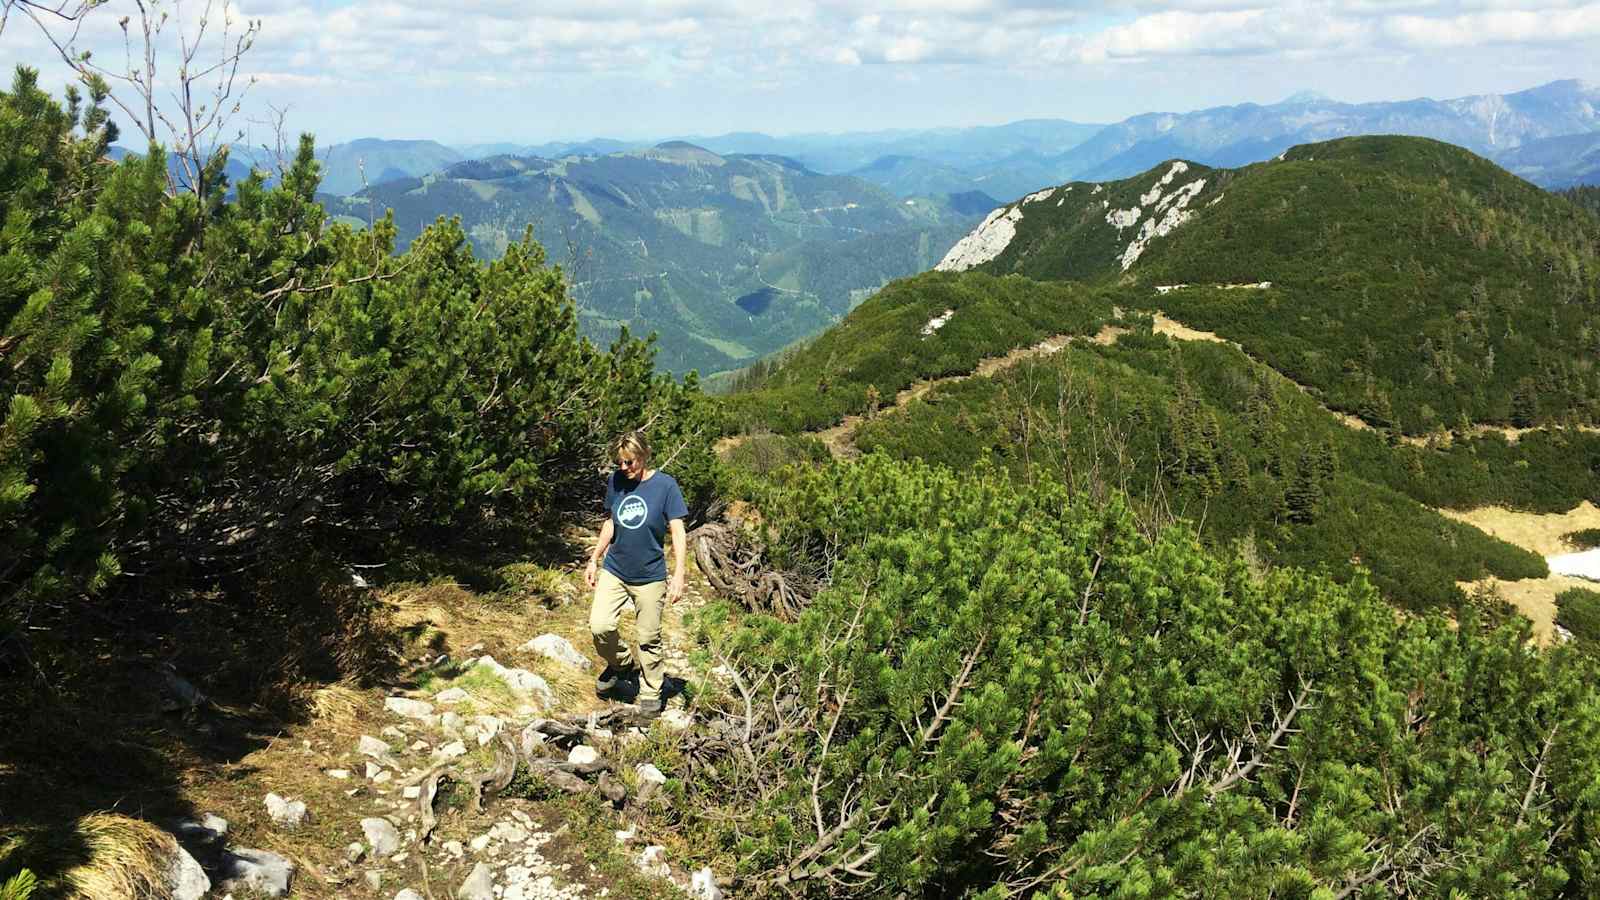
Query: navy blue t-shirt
x,y
640,511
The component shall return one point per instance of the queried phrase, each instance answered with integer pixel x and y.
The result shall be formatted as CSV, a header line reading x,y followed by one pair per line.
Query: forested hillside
x,y
719,255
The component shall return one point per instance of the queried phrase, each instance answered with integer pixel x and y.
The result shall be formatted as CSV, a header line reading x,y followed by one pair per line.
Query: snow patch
x,y
937,322
1153,227
1039,196
1123,218
1578,565
986,242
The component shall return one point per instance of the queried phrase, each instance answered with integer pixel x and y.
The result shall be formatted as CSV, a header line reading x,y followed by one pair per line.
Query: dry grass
x,y
336,704
1541,533
101,856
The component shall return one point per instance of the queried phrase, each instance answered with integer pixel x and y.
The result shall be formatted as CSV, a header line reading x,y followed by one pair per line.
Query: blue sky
x,y
499,70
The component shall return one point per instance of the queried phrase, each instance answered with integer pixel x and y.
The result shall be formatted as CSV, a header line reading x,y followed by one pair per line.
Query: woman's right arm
x,y
591,572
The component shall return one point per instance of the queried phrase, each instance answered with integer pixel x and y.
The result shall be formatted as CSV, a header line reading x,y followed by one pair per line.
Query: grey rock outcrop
x,y
186,877
479,885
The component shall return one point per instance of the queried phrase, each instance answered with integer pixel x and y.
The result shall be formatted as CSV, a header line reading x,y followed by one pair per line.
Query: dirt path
x,y
839,438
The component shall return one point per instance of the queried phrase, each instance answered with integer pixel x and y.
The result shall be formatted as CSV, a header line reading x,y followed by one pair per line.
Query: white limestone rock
x,y
408,708
408,894
703,885
373,747
452,695
521,681
450,751
986,242
937,322
479,885
653,861
582,755
381,835
185,877
286,813
1176,213
558,648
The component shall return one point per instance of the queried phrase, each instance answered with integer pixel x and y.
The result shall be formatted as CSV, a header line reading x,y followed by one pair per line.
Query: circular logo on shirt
x,y
632,511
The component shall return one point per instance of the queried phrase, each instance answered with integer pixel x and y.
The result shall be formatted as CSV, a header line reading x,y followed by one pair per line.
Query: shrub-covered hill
x,y
933,325
1199,430
1411,282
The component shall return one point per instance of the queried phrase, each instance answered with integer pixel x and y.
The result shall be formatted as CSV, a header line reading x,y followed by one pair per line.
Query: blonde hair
x,y
632,443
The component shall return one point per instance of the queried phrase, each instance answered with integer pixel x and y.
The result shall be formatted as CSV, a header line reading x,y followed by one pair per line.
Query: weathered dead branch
x,y
734,562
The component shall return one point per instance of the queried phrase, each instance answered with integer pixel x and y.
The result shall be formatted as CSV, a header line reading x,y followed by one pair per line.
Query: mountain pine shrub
x,y
1006,692
190,390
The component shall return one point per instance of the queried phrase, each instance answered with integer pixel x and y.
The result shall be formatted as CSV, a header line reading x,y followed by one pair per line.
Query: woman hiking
x,y
642,504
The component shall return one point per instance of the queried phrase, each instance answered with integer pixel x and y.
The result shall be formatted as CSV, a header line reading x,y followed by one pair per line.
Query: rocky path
x,y
376,796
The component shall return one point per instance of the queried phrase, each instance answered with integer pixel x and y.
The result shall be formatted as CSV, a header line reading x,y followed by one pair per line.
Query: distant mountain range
x,y
727,258
1487,124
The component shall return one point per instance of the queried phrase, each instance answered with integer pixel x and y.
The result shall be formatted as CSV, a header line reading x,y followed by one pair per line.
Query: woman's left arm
x,y
680,552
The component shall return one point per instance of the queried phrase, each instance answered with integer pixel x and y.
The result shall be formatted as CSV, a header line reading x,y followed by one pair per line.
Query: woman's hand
x,y
590,573
675,588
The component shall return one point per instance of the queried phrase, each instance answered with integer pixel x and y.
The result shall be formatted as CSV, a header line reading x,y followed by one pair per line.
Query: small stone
x,y
454,848
653,861
450,751
374,879
648,773
339,774
452,723
479,885
676,719
372,770
393,733
582,755
509,833
381,834
355,851
627,834
412,792
419,746
399,857
479,842
371,746
558,648
382,777
409,894
285,813
452,695
210,830
245,870
703,885
407,707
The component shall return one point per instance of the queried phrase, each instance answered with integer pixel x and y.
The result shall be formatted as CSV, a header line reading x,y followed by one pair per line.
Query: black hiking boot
x,y
613,680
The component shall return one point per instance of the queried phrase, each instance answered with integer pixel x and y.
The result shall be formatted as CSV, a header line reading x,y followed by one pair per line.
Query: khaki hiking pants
x,y
611,595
